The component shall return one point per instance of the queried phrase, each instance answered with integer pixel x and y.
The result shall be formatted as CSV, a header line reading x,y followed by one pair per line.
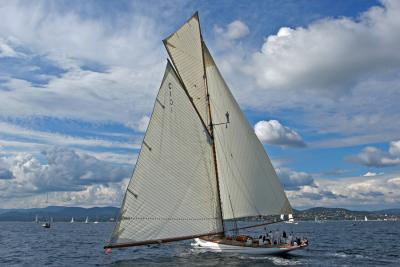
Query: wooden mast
x,y
211,128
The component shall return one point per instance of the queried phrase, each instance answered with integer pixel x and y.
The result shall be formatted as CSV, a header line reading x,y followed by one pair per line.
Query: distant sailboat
x,y
36,219
87,220
96,221
46,224
200,163
282,217
291,220
72,220
365,218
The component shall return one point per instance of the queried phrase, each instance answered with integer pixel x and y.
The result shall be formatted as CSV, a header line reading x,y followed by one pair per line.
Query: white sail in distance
x,y
184,48
248,182
172,193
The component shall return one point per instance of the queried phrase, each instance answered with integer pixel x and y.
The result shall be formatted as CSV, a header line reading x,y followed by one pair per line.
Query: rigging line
x,y
257,225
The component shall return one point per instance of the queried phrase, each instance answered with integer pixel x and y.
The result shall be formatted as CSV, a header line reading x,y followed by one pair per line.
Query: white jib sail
x,y
173,191
248,182
184,48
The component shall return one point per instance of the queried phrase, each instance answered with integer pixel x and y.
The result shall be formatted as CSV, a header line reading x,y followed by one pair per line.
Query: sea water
x,y
335,243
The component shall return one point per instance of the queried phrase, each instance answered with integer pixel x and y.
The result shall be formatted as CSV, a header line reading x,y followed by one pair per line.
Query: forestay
x,y
184,48
248,183
172,192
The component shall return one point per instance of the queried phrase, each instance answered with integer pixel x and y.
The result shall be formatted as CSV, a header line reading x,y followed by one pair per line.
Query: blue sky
x,y
318,80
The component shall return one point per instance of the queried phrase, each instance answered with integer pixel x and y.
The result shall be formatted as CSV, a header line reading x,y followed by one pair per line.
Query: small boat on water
x,y
72,220
47,224
200,164
87,220
316,220
291,219
365,218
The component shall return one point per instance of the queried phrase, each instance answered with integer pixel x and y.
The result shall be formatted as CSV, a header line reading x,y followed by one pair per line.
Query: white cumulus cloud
x,y
394,148
377,192
234,30
374,157
339,51
274,133
230,35
293,180
58,170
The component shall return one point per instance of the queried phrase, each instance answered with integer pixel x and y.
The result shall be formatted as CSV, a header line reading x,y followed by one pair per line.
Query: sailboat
x,y
200,165
291,219
46,224
72,220
365,218
87,220
316,220
36,219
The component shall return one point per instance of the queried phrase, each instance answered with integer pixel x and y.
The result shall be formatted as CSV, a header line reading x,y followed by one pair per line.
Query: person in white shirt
x,y
290,238
277,237
249,242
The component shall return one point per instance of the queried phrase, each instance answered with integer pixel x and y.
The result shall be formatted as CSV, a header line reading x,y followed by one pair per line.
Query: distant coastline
x,y
103,214
60,214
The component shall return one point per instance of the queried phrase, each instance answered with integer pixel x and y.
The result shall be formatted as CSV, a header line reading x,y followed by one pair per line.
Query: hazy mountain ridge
x,y
344,214
61,213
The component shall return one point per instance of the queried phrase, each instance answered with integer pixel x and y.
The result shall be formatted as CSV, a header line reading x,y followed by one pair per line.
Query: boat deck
x,y
242,242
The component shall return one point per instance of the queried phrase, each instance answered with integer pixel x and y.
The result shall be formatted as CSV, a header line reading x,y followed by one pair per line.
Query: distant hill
x,y
388,211
60,213
344,214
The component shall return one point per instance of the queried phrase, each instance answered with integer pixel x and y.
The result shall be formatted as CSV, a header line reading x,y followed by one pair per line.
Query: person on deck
x,y
249,242
271,238
284,237
277,237
290,239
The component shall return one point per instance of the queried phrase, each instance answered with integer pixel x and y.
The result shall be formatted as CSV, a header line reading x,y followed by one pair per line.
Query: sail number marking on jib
x,y
171,102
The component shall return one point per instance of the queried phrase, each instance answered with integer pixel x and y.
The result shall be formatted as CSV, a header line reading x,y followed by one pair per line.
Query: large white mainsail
x,y
172,193
184,48
248,182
